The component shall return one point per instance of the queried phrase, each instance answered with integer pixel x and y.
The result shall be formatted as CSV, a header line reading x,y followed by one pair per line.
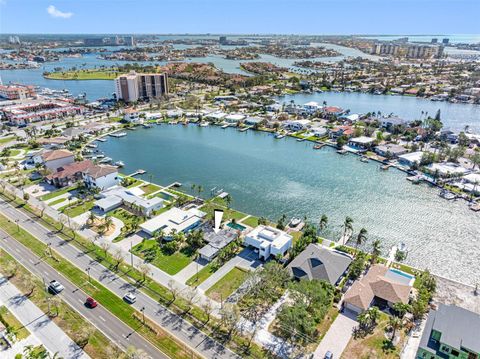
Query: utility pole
x,y
88,272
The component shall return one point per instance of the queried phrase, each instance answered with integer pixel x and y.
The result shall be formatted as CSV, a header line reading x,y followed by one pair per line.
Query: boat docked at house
x,y
342,151
364,159
147,125
119,164
91,145
105,160
447,194
203,124
225,126
415,179
279,136
102,139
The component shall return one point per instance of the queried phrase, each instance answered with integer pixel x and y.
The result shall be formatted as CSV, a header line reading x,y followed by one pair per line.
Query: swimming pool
x,y
403,274
236,226
400,276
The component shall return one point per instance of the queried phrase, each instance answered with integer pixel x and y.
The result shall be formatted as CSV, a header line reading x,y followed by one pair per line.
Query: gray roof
x,y
459,328
317,262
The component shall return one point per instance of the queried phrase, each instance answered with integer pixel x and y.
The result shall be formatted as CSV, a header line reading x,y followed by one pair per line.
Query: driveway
x,y
338,335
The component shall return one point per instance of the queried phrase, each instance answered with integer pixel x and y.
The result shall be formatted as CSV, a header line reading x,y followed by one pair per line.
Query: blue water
x,y
454,115
270,177
454,39
403,274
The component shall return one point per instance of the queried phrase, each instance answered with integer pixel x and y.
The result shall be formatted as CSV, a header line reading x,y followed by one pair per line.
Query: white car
x,y
130,298
55,287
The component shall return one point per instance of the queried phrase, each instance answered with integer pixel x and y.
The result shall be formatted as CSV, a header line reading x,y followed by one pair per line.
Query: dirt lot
x,y
462,295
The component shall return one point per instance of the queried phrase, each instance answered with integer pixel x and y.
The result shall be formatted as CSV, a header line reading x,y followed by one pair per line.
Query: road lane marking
x,y
101,318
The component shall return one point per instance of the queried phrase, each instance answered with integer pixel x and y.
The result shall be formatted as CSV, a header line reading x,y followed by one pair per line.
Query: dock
x,y
137,172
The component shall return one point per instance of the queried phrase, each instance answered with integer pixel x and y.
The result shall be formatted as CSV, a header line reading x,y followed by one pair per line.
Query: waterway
x,y
270,177
454,115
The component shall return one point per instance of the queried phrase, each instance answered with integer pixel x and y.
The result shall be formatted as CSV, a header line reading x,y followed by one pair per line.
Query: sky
x,y
241,16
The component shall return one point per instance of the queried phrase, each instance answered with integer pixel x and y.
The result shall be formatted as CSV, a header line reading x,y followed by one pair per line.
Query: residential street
x,y
107,323
172,323
38,323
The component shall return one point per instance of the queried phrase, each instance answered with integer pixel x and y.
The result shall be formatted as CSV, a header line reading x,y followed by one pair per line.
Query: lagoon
x,y
270,177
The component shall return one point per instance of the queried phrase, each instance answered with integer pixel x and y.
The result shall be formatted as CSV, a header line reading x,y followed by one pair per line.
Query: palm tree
x,y
395,323
347,228
322,224
108,222
228,200
376,249
159,236
91,218
361,238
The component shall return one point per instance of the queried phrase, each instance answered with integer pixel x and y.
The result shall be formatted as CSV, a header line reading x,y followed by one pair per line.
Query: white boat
x,y
118,134
119,164
203,124
295,222
102,139
92,145
447,194
279,136
225,126
105,160
146,125
364,159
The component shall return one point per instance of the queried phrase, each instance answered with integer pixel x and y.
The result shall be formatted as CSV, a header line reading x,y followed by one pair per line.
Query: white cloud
x,y
54,12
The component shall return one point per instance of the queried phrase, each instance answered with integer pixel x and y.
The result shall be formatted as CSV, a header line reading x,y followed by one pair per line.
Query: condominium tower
x,y
133,86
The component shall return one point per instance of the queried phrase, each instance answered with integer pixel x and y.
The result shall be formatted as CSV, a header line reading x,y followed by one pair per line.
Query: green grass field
x,y
171,264
57,201
56,193
203,274
150,188
83,75
78,209
228,284
10,321
6,140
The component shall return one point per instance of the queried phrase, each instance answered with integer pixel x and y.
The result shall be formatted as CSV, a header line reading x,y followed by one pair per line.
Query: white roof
x,y
129,196
217,115
174,219
412,156
311,104
362,139
270,236
301,122
473,177
447,167
235,117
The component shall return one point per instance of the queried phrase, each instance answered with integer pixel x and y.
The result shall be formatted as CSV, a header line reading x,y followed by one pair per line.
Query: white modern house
x,y
234,118
269,241
175,219
409,159
118,195
297,125
312,107
100,176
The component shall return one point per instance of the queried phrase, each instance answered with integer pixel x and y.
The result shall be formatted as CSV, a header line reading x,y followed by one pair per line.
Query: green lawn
x,y
78,209
6,140
57,201
228,214
150,188
203,274
83,75
227,284
125,216
251,221
10,321
56,193
14,152
171,264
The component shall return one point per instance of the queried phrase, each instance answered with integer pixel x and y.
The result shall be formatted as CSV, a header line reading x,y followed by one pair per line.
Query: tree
x,y
347,228
83,334
43,207
190,298
395,324
368,318
361,238
282,222
105,246
108,222
118,258
172,287
323,223
228,200
401,309
144,269
357,266
376,250
26,197
28,283
91,218
341,141
134,353
230,316
11,269
55,302
207,310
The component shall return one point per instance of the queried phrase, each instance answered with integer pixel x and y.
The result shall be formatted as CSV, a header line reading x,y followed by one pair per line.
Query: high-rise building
x,y
434,40
222,40
445,41
13,39
133,87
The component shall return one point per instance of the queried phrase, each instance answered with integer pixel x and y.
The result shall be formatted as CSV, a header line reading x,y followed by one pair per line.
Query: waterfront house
x,y
252,121
116,196
450,332
131,116
53,143
100,176
216,116
390,150
54,159
175,219
234,118
410,159
392,122
321,263
381,286
332,111
68,174
268,241
312,107
361,144
336,132
216,241
447,169
297,125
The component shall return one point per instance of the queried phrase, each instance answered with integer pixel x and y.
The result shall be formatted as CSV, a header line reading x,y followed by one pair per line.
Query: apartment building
x,y
133,86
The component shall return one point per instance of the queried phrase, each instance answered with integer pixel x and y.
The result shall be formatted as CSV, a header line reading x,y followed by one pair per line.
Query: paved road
x,y
38,323
107,323
172,323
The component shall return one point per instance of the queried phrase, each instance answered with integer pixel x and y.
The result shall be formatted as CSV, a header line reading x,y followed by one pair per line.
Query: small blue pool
x,y
399,276
403,274
236,226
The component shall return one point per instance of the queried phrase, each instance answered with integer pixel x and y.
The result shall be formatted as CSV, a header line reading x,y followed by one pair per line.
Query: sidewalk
x,y
38,323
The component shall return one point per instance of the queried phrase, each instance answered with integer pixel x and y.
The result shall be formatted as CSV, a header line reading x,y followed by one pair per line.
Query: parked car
x,y
329,355
55,287
130,298
91,303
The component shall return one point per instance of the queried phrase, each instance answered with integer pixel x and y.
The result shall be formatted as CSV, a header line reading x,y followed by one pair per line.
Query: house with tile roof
x,y
69,174
52,160
100,176
321,263
381,286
